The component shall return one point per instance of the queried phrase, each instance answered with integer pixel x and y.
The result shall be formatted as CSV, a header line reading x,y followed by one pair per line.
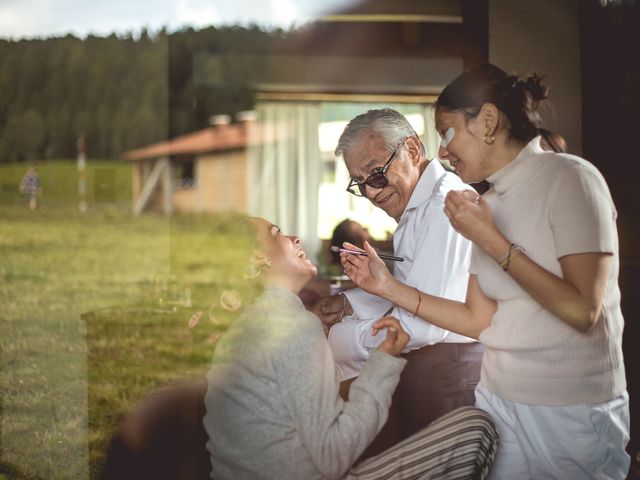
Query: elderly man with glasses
x,y
388,165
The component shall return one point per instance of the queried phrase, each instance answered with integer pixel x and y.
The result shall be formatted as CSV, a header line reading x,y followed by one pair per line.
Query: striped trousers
x,y
459,445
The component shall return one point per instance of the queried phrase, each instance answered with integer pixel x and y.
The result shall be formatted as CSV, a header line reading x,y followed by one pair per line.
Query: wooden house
x,y
203,171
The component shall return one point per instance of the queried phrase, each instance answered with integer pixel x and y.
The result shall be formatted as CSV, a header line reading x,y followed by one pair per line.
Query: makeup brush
x,y
364,254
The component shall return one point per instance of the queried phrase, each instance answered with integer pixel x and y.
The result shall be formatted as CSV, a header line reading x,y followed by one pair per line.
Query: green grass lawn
x,y
94,312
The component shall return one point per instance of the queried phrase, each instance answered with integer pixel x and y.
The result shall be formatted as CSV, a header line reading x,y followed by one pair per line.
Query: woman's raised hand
x,y
368,272
470,215
396,338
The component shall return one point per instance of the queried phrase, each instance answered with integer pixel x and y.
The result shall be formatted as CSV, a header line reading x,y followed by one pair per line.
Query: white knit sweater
x,y
552,205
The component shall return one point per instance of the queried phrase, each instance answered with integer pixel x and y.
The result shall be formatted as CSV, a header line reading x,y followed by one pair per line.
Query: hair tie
x,y
511,81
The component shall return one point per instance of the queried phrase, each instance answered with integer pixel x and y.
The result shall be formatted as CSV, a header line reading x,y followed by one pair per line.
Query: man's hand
x,y
331,309
396,339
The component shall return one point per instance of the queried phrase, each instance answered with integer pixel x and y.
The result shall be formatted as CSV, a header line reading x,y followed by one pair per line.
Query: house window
x,y
184,173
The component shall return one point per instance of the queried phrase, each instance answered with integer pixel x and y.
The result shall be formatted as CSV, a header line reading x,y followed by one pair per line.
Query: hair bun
x,y
538,91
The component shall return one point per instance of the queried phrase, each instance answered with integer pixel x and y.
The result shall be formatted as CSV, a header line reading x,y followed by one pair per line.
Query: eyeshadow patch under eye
x,y
448,136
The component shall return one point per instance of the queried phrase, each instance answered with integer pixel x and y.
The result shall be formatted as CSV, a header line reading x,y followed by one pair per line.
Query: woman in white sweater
x,y
273,406
543,292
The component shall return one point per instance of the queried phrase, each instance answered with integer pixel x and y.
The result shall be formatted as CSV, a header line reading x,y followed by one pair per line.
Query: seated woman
x,y
272,404
348,231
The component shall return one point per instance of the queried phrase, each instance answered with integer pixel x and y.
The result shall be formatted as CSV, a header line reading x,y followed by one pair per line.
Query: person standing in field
x,y
30,186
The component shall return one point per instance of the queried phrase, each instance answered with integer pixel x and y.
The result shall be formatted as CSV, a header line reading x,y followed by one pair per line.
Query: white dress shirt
x,y
436,261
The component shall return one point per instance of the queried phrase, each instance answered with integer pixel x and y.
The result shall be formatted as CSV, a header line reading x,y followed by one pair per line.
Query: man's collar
x,y
426,183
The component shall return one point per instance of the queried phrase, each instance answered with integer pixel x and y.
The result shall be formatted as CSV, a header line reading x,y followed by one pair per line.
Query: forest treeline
x,y
122,92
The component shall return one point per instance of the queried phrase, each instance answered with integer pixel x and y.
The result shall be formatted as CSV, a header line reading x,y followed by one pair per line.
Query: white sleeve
x,y
365,305
440,267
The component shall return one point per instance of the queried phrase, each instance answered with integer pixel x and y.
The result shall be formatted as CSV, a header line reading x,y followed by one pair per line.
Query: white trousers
x,y
569,442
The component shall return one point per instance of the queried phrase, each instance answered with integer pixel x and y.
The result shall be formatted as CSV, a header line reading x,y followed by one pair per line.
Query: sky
x,y
46,18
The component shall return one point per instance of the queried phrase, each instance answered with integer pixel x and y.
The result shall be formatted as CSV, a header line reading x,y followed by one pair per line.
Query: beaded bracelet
x,y
505,262
344,306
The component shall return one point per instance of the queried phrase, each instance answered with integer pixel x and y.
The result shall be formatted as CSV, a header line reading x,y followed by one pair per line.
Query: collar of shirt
x,y
518,170
426,184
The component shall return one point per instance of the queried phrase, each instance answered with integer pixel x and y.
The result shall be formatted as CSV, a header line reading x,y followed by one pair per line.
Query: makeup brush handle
x,y
390,257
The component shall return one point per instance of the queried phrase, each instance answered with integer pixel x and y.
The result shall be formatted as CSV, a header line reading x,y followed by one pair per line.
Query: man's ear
x,y
489,116
414,149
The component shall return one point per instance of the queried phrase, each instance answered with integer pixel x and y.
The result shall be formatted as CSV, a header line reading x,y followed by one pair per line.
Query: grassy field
x,y
94,312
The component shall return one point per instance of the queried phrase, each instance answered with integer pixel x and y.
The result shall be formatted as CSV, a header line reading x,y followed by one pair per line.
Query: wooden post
x,y
168,187
82,180
150,183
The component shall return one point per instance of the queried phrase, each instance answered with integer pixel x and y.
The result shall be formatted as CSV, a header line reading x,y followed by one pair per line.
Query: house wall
x,y
186,200
222,182
543,36
221,185
136,180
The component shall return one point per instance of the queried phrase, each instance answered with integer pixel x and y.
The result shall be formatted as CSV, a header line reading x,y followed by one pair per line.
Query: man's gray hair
x,y
391,125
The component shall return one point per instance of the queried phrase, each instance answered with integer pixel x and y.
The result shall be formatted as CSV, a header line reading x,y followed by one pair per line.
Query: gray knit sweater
x,y
273,408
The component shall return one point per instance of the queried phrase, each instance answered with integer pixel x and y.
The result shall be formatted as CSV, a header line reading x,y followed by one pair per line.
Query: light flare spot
x,y
195,319
230,300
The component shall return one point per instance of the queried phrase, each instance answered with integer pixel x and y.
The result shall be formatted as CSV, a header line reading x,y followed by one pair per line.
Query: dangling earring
x,y
259,263
489,138
260,260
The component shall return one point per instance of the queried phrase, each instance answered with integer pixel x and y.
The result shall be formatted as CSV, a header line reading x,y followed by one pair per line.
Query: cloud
x,y
286,12
20,18
42,18
195,13
270,13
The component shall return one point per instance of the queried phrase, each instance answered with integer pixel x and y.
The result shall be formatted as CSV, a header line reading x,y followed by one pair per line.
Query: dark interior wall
x,y
517,45
401,39
475,14
465,42
610,41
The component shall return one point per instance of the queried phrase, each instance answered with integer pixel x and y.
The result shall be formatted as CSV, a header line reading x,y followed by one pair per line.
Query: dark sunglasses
x,y
377,179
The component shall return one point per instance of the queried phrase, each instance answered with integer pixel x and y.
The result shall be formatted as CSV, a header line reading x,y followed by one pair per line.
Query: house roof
x,y
210,139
